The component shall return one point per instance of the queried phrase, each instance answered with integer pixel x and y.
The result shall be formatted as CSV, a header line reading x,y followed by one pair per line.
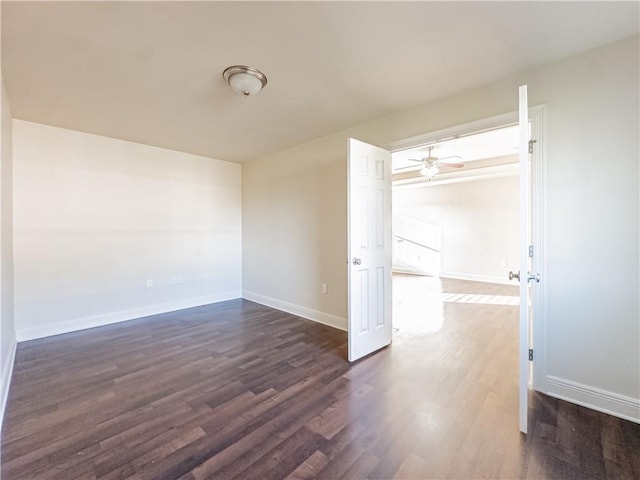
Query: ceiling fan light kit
x,y
243,80
429,171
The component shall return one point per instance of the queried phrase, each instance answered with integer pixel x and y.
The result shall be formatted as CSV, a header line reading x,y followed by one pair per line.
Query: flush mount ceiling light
x,y
244,80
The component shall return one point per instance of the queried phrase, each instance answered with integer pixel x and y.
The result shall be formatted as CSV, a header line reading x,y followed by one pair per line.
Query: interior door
x,y
525,242
370,247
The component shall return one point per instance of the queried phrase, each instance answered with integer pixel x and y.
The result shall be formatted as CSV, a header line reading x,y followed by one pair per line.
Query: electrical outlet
x,y
173,281
325,288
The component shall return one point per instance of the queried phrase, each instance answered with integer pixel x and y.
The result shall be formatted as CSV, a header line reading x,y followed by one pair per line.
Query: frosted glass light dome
x,y
245,80
429,171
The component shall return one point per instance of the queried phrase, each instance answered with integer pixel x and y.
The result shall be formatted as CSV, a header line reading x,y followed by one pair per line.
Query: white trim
x,y
594,398
478,278
7,372
92,321
304,312
477,126
537,117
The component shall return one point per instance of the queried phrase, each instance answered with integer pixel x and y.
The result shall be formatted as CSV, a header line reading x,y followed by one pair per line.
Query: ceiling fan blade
x,y
446,163
413,160
413,167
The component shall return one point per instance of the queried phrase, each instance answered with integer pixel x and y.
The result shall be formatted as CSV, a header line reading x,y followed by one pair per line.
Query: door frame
x,y
537,118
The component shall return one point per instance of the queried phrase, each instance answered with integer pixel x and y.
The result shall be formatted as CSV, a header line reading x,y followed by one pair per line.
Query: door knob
x,y
357,261
514,275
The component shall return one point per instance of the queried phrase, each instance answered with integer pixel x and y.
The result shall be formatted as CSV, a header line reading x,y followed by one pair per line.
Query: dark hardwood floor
x,y
239,390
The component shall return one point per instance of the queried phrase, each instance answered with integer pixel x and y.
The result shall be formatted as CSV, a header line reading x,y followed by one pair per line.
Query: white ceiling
x,y
151,72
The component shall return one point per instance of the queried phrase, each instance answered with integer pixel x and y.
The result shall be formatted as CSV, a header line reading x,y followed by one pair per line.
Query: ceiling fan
x,y
431,165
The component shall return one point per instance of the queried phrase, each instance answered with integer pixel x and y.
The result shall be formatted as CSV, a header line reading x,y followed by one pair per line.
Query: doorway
x,y
374,164
455,217
414,160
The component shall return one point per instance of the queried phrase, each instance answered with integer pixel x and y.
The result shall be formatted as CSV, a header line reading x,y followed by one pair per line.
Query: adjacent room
x,y
177,259
455,217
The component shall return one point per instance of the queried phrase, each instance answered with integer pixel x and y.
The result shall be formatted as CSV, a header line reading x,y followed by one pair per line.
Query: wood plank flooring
x,y
239,390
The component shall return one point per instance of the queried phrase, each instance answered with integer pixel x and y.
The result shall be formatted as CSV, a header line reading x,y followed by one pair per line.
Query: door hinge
x,y
531,354
530,251
531,142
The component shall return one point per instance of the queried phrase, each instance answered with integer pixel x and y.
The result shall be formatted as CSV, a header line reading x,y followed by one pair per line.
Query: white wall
x,y
479,224
293,209
7,330
592,336
95,218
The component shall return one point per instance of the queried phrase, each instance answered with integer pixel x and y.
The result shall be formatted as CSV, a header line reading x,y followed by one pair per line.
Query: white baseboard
x,y
478,278
7,371
92,321
594,398
304,312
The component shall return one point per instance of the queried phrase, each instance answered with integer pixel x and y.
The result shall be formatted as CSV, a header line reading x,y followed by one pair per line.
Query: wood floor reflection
x,y
239,390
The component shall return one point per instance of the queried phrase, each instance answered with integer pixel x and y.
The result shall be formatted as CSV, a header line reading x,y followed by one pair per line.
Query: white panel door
x,y
370,247
525,222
